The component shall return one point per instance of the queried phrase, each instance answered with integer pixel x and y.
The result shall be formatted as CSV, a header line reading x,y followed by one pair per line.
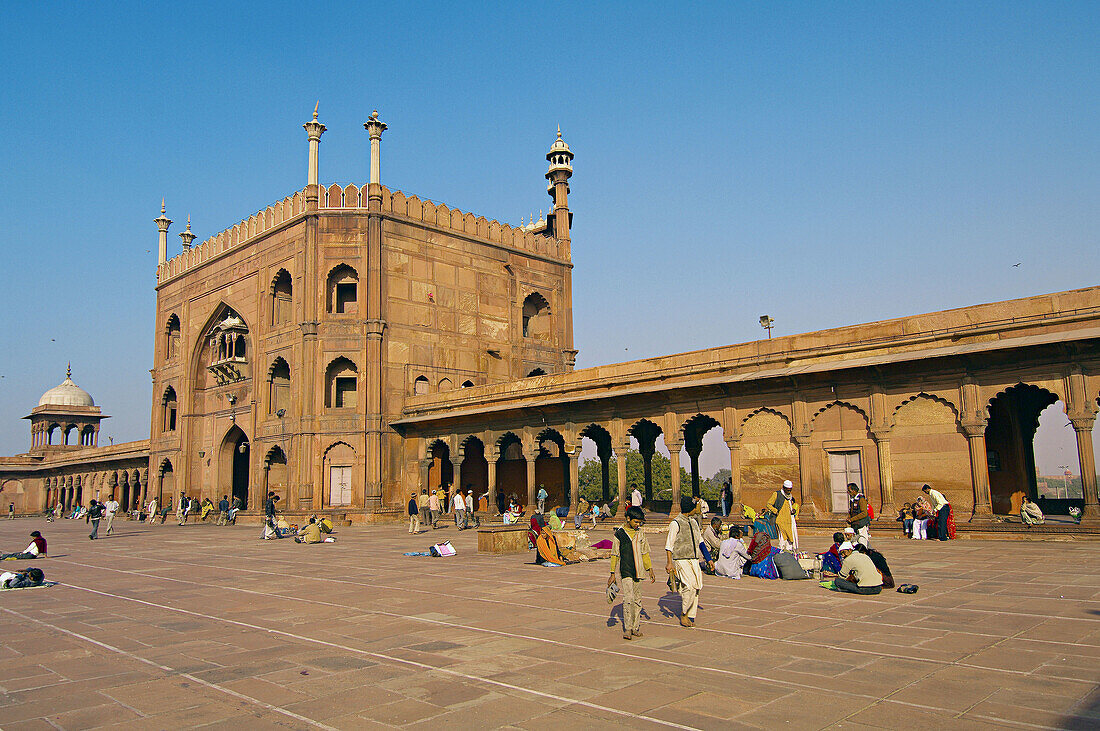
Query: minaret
x,y
187,236
163,222
561,169
375,127
314,130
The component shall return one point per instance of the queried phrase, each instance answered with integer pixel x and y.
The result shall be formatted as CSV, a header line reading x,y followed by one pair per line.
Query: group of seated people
x,y
308,533
592,512
854,567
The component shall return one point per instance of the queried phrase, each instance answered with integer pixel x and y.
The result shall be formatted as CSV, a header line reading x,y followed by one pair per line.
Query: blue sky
x,y
823,163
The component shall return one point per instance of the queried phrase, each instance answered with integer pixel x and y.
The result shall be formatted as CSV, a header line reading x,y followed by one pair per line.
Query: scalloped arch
x,y
924,396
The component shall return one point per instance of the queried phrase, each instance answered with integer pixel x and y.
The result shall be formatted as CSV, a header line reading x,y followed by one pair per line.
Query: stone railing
x,y
256,224
440,216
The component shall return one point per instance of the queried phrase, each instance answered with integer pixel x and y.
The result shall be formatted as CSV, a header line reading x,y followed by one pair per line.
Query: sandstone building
x,y
350,343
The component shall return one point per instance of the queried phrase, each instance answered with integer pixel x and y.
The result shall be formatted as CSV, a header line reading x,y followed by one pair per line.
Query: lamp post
x,y
767,323
1065,480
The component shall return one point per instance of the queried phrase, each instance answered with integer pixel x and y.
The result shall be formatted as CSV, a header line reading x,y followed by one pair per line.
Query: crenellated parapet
x,y
439,215
255,225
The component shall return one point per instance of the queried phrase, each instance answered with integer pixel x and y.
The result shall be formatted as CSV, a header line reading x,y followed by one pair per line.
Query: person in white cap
x,y
858,574
784,508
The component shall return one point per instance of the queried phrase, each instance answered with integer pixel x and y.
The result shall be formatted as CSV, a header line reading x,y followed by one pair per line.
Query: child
x,y
21,579
905,517
630,556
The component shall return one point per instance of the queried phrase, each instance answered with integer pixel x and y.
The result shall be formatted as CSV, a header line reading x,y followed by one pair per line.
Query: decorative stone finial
x,y
315,108
187,236
69,370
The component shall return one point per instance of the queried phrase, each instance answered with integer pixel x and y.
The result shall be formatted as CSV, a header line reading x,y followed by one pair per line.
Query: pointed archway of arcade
x,y
1010,444
596,480
441,471
474,472
552,469
646,433
233,462
511,469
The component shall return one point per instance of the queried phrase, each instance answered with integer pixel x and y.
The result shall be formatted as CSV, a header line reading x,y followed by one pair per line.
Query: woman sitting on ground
x,y
547,551
732,556
1031,513
759,548
555,518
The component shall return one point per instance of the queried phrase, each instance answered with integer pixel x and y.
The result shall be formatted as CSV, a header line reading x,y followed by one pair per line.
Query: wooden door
x,y
339,486
844,468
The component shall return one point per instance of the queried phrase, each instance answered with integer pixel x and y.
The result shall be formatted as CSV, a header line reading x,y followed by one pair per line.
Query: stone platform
x,y
167,627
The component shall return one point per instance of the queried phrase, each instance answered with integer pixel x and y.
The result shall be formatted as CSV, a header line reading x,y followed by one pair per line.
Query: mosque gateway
x,y
349,344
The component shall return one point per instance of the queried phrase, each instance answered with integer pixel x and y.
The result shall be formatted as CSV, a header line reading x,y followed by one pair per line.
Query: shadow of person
x,y
615,616
669,604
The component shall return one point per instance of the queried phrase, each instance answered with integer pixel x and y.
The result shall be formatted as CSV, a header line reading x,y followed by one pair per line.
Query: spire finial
x,y
315,108
559,131
188,221
69,370
162,209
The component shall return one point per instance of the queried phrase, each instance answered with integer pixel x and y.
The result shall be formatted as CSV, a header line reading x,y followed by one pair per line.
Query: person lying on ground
x,y
858,574
22,579
36,549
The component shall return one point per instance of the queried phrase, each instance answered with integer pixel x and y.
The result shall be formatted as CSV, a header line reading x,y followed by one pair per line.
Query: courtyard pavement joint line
x,y
368,653
747,635
173,671
871,700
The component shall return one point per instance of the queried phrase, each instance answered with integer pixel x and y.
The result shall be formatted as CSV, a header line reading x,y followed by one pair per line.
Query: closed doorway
x,y
339,491
844,468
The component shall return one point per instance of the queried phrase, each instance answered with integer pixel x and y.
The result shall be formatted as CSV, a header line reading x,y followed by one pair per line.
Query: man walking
x,y
629,559
223,511
414,515
181,508
153,511
683,556
458,503
423,505
269,514
471,509
95,514
542,495
942,508
110,508
636,497
11,511
858,518
434,511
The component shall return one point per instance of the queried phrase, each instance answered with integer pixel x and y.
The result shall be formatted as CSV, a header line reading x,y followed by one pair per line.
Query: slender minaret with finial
x,y
375,127
314,130
187,237
163,222
561,169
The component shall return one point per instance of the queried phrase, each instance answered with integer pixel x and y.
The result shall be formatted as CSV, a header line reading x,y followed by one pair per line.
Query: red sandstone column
x,y
885,471
1082,427
674,458
492,464
531,455
574,479
979,469
620,460
735,476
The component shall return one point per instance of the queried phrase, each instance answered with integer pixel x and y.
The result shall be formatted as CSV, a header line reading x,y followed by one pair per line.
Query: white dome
x,y
66,394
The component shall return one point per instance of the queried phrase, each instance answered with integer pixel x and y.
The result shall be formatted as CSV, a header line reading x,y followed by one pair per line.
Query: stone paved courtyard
x,y
171,627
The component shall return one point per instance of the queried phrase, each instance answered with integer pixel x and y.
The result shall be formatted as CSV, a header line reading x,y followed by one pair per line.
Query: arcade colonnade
x,y
971,439
129,486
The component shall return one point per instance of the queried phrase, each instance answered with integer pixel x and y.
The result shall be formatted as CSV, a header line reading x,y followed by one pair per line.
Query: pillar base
x,y
1090,512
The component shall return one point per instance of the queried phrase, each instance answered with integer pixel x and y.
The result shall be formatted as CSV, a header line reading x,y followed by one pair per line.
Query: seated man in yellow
x,y
309,533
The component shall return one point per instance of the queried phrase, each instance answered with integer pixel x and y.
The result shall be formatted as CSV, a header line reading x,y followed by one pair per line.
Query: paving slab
x,y
149,629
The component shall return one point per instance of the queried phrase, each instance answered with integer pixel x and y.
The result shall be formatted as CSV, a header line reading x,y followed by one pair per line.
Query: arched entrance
x,y
474,472
1010,445
275,472
167,482
235,465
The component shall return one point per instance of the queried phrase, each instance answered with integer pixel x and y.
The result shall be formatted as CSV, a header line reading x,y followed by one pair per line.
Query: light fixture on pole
x,y
767,323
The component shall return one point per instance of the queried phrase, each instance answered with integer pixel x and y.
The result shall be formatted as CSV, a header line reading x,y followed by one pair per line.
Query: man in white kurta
x,y
682,550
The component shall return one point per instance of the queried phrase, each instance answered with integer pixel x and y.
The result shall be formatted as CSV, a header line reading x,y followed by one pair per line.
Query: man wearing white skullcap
x,y
783,507
858,574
